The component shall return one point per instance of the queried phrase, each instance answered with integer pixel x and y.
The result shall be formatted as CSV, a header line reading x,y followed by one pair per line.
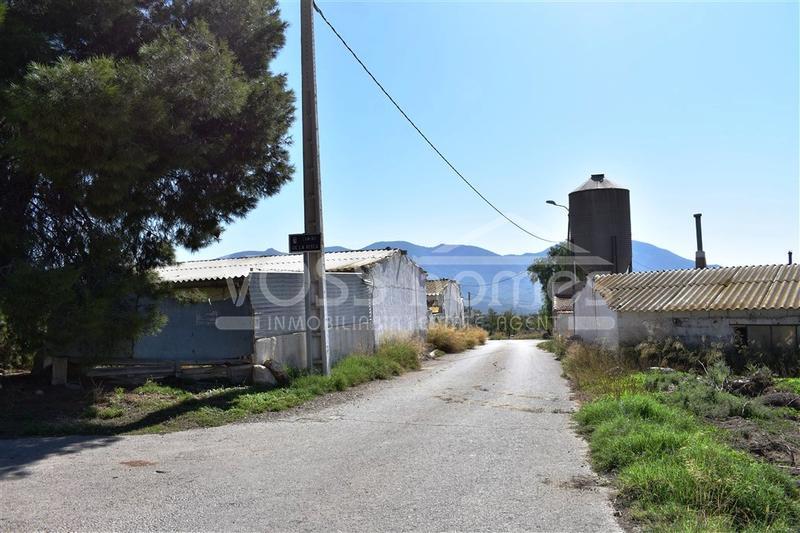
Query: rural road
x,y
473,442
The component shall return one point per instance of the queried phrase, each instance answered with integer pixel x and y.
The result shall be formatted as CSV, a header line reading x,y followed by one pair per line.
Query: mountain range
x,y
493,280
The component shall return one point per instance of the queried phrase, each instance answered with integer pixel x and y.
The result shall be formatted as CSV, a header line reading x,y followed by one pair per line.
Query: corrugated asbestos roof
x,y
707,289
435,286
242,266
562,305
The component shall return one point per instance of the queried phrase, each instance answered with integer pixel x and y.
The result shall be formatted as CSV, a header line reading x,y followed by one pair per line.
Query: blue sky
x,y
693,106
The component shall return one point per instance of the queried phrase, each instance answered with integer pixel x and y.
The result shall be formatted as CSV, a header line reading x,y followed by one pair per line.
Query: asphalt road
x,y
477,441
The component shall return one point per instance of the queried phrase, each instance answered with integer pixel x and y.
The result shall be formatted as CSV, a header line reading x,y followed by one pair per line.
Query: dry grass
x,y
454,340
596,372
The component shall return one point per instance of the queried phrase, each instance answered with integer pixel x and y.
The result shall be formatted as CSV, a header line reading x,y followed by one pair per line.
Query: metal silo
x,y
600,225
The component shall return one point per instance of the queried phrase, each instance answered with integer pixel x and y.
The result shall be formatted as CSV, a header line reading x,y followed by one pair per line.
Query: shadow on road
x,y
17,455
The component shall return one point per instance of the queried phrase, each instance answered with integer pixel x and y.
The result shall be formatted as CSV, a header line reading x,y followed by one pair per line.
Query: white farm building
x,y
445,303
239,308
758,306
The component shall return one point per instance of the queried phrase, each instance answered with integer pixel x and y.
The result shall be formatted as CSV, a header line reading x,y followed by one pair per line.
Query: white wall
x,y
593,321
290,349
598,324
399,306
697,327
451,306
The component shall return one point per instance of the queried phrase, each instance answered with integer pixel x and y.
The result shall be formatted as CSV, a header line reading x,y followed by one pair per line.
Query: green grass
x,y
152,387
788,384
678,474
105,413
159,408
675,471
698,396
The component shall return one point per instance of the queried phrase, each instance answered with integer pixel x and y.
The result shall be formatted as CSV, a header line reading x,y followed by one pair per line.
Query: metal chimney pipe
x,y
790,257
699,255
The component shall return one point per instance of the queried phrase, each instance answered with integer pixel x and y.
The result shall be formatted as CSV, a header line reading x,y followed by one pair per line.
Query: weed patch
x,y
104,413
597,372
676,472
674,469
556,346
700,397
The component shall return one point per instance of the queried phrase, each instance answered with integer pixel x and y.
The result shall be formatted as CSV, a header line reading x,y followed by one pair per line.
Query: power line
x,y
425,137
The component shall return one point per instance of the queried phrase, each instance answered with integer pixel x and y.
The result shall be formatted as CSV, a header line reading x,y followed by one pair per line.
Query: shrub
x,y
475,335
454,340
402,351
702,396
757,380
783,362
673,353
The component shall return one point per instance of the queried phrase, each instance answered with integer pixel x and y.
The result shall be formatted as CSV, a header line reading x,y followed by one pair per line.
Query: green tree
x,y
127,128
491,321
545,269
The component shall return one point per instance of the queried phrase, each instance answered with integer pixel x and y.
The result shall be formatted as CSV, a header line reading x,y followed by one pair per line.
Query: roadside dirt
x,y
777,443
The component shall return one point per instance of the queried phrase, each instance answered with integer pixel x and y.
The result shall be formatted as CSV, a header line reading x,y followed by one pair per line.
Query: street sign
x,y
305,242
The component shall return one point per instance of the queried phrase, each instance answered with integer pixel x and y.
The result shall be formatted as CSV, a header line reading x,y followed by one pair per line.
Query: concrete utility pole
x,y
317,351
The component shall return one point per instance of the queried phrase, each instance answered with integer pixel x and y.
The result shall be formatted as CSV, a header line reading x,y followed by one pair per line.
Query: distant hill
x,y
649,257
273,251
494,280
252,253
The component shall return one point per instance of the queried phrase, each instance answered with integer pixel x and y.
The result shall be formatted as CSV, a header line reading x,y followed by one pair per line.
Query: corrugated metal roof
x,y
434,287
242,266
708,289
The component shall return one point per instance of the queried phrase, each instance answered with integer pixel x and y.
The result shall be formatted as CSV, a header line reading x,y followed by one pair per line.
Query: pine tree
x,y
127,128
